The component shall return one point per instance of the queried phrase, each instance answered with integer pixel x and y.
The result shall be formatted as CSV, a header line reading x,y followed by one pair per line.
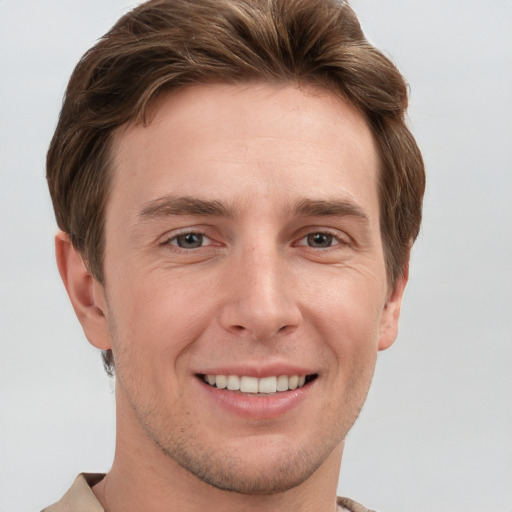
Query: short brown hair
x,y
167,44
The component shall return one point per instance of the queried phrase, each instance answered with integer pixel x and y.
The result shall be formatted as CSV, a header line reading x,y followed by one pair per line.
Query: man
x,y
237,195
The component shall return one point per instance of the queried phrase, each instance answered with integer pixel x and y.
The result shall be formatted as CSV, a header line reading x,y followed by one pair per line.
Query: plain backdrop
x,y
436,432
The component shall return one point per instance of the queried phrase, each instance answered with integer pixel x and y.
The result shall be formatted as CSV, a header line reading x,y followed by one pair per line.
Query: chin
x,y
263,475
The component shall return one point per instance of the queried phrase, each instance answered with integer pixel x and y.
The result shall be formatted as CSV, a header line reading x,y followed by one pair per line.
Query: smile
x,y
265,385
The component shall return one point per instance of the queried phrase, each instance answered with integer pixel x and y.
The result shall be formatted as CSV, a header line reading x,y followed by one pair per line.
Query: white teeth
x,y
247,384
267,385
293,382
233,382
282,383
221,381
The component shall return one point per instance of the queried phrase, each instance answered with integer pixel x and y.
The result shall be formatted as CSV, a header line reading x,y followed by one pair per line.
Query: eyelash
x,y
176,237
333,240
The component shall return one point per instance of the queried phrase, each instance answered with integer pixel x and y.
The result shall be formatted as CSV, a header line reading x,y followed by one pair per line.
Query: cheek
x,y
347,317
154,322
351,301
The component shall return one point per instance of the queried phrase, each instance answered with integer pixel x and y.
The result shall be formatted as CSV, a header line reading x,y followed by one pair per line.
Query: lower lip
x,y
254,406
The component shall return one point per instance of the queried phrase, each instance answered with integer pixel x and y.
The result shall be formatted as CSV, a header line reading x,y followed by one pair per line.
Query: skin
x,y
286,271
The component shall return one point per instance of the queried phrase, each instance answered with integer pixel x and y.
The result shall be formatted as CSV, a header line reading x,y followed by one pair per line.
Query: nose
x,y
261,299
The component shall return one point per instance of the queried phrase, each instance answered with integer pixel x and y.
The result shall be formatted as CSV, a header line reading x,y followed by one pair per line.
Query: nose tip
x,y
260,325
261,302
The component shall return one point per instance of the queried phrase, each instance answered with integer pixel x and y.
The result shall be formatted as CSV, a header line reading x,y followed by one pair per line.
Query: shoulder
x,y
348,505
79,497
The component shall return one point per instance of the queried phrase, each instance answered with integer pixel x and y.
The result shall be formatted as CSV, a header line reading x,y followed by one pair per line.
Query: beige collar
x,y
79,497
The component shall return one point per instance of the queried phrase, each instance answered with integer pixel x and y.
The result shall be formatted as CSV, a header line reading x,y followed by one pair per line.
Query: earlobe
x,y
85,292
391,313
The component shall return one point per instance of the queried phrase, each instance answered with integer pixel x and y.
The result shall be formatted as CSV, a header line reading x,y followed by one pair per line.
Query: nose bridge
x,y
262,301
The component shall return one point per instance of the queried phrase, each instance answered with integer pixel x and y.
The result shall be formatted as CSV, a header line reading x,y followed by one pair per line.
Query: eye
x,y
189,240
319,240
324,239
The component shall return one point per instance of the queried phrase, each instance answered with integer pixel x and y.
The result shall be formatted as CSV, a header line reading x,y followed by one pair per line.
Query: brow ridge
x,y
171,205
334,207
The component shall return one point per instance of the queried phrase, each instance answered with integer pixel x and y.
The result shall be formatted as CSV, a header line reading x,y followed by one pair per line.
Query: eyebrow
x,y
172,205
335,207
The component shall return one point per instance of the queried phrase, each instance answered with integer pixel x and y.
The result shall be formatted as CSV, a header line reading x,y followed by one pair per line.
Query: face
x,y
245,293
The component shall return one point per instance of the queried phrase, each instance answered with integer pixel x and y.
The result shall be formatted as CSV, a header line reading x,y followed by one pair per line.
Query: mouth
x,y
255,386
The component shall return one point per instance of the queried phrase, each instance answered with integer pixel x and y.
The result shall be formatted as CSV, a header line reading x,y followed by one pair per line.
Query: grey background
x,y
436,433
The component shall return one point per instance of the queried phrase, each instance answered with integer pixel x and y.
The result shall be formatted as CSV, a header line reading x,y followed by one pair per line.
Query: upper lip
x,y
259,371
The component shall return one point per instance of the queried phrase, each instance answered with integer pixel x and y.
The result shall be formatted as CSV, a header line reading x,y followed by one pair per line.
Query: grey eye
x,y
319,240
189,240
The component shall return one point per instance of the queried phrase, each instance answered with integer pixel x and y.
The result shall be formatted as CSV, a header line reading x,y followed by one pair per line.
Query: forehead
x,y
233,142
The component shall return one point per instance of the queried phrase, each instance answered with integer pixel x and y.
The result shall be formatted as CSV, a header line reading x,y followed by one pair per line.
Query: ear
x,y
85,292
391,313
